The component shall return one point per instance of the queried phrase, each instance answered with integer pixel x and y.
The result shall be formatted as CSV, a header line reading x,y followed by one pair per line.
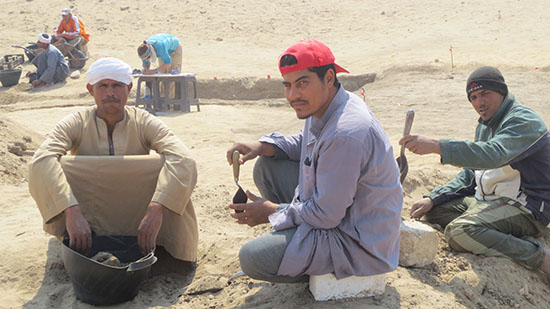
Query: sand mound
x,y
250,88
16,149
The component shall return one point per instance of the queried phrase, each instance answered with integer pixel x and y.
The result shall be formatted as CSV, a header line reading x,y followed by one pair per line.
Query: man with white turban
x,y
51,66
111,184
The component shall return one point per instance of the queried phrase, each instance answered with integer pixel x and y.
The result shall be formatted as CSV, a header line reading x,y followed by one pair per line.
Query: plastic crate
x,y
10,62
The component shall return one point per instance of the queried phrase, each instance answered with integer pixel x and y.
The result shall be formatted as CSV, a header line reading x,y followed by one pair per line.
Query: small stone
x,y
107,258
523,291
16,150
21,144
27,139
75,74
206,284
125,8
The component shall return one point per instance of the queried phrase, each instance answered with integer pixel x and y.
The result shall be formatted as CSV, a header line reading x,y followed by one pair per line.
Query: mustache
x,y
110,100
298,101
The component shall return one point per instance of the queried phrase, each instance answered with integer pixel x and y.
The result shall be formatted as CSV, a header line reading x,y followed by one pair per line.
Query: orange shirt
x,y
72,28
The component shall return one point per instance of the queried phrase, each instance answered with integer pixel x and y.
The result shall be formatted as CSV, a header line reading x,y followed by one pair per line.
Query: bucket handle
x,y
142,263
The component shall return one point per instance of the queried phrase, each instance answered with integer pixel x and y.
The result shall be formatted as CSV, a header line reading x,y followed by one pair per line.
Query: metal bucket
x,y
100,284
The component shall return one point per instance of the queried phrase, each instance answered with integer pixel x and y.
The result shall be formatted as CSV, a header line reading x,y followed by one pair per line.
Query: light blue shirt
x,y
164,44
347,206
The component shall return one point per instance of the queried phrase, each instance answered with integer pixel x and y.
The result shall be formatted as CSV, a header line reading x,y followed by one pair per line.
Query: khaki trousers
x,y
176,58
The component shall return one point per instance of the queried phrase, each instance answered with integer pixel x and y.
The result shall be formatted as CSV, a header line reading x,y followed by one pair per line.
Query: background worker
x,y
71,29
51,66
164,47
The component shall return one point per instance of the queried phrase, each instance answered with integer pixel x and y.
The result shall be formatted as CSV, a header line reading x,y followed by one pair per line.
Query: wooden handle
x,y
236,165
408,122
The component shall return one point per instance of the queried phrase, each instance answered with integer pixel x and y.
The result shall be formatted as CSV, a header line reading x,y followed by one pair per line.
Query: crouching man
x,y
110,184
331,192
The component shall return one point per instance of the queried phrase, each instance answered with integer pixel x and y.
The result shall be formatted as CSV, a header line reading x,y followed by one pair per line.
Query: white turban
x,y
109,68
44,38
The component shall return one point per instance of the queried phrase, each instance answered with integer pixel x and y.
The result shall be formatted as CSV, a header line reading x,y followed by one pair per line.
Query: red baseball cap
x,y
309,53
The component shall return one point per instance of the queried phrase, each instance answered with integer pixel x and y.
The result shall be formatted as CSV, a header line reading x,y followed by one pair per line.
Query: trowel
x,y
402,159
240,196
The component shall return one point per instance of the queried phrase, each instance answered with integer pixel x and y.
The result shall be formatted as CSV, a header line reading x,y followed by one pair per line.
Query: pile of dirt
x,y
252,88
17,147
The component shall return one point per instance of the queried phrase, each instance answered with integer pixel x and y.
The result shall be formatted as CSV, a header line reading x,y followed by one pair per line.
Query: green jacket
x,y
509,157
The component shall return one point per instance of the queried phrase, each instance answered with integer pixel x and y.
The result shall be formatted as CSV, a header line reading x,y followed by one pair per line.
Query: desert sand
x,y
407,44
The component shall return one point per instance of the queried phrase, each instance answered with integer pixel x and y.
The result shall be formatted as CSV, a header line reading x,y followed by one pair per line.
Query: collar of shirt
x,y
317,125
123,120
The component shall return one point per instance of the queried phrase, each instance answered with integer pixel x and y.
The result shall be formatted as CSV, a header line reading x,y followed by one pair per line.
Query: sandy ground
x,y
405,44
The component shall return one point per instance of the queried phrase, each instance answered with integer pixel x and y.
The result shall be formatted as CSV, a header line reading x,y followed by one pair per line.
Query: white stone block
x,y
419,244
327,287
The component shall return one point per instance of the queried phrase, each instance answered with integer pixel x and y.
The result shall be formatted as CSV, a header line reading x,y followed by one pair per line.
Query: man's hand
x,y
148,72
420,208
38,83
80,235
421,145
253,213
249,151
149,227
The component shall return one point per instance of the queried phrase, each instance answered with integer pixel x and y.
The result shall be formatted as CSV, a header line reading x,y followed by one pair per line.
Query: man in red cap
x,y
331,192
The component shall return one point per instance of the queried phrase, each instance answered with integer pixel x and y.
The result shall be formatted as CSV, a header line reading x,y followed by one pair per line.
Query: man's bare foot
x,y
545,267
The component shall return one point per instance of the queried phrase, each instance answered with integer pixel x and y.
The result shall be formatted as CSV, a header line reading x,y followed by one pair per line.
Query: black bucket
x,y
10,78
100,284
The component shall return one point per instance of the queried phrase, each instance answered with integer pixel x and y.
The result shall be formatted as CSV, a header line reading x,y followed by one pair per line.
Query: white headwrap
x,y
150,52
44,38
109,68
153,55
